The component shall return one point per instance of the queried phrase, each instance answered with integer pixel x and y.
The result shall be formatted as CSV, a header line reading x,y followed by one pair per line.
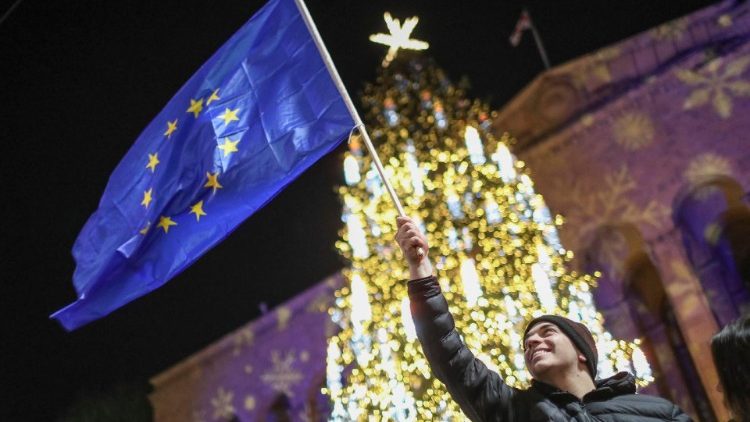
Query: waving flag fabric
x,y
258,113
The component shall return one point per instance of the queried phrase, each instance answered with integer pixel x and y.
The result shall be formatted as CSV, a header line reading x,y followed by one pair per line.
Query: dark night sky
x,y
79,81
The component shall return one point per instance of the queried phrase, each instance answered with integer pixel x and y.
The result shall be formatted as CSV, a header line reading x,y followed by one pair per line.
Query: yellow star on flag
x,y
147,197
171,127
165,223
229,146
144,230
197,209
213,97
229,115
195,107
153,160
213,181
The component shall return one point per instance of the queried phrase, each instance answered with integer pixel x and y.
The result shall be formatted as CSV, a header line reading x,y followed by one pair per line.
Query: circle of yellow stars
x,y
228,147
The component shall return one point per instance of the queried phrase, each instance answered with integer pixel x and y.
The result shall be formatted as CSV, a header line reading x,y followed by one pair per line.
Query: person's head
x,y
555,345
731,351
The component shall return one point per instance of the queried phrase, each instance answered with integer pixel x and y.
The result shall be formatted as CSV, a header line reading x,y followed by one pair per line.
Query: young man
x,y
560,354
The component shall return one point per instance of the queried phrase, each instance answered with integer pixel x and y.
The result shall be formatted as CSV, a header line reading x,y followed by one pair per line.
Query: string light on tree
x,y
495,246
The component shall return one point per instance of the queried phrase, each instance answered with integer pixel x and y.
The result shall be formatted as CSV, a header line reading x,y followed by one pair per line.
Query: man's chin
x,y
539,369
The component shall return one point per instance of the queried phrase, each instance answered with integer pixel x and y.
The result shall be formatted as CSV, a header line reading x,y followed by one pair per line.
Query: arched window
x,y
280,410
665,341
733,243
715,226
631,296
608,253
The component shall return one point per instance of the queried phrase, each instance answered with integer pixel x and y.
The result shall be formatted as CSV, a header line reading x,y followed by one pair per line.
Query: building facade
x,y
644,148
271,369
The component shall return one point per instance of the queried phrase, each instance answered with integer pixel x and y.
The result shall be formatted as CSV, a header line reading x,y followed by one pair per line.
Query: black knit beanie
x,y
577,333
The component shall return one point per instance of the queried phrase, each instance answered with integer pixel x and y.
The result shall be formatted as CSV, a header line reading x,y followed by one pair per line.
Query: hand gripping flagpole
x,y
350,106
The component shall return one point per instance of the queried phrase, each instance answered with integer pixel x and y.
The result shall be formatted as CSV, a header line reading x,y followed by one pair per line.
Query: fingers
x,y
408,230
411,232
417,242
411,240
413,244
400,221
405,223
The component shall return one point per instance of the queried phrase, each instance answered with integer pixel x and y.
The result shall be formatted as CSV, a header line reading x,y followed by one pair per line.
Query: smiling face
x,y
548,352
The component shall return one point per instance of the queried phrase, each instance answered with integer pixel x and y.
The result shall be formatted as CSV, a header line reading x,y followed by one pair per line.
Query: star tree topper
x,y
398,37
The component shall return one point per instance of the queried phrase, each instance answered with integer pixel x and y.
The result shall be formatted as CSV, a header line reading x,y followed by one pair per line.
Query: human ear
x,y
582,358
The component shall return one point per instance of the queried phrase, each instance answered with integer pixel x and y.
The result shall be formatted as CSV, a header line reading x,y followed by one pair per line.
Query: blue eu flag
x,y
258,113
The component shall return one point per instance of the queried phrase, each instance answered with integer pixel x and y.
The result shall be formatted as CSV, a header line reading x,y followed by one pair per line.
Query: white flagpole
x,y
349,104
538,40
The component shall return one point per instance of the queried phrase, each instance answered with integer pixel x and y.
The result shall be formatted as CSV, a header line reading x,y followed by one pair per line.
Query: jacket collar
x,y
616,385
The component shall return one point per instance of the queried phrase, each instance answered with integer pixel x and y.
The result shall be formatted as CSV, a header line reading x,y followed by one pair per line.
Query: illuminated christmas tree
x,y
493,241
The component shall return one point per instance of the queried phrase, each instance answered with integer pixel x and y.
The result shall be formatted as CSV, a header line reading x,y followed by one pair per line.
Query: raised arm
x,y
479,391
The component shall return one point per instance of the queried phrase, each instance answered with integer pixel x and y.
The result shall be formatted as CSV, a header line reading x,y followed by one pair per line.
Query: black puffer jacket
x,y
483,396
